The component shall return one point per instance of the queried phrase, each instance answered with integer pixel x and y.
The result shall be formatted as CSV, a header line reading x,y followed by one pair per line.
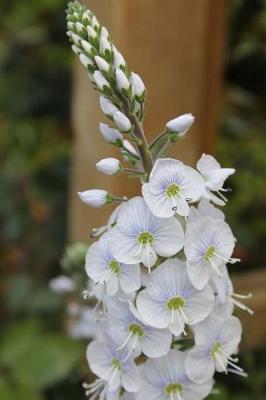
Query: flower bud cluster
x,y
106,66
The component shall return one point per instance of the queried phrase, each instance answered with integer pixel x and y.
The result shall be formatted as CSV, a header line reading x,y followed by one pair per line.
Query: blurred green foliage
x,y
242,142
37,360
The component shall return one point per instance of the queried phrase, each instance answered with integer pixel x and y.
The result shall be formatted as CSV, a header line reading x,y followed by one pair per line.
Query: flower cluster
x,y
159,267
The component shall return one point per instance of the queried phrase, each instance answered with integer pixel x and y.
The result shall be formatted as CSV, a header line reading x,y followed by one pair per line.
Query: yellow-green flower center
x,y
216,348
145,238
116,364
114,266
173,190
136,329
209,253
175,303
173,388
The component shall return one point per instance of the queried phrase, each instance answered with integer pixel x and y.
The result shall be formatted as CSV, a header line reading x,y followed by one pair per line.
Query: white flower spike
x,y
172,185
175,227
214,177
102,267
170,300
216,340
139,236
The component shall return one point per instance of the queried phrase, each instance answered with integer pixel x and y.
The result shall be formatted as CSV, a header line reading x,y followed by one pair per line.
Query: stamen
x,y
220,362
243,306
125,341
227,260
235,366
242,296
216,268
134,344
222,196
98,231
240,373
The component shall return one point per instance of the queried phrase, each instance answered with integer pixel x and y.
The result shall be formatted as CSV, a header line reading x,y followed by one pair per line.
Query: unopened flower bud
x,y
91,32
85,60
102,64
129,147
111,135
79,26
94,22
104,32
138,87
180,125
76,38
122,122
121,80
86,46
95,197
104,45
100,80
76,49
108,108
118,58
109,166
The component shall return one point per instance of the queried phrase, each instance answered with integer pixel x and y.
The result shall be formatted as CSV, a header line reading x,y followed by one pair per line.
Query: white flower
x,y
165,379
102,267
111,135
121,80
62,284
112,366
137,85
94,197
85,60
214,177
122,122
135,334
79,26
118,58
109,166
108,108
171,186
100,80
170,300
209,244
139,236
216,340
180,125
102,64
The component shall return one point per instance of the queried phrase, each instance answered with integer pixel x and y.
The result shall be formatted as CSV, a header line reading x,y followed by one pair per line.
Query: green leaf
x,y
37,359
12,392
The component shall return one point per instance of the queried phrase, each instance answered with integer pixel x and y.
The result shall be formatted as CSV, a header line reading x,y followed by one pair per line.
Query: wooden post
x,y
176,46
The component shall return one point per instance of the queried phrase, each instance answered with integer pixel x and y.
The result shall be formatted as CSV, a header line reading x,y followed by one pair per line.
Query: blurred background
x,y
195,56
